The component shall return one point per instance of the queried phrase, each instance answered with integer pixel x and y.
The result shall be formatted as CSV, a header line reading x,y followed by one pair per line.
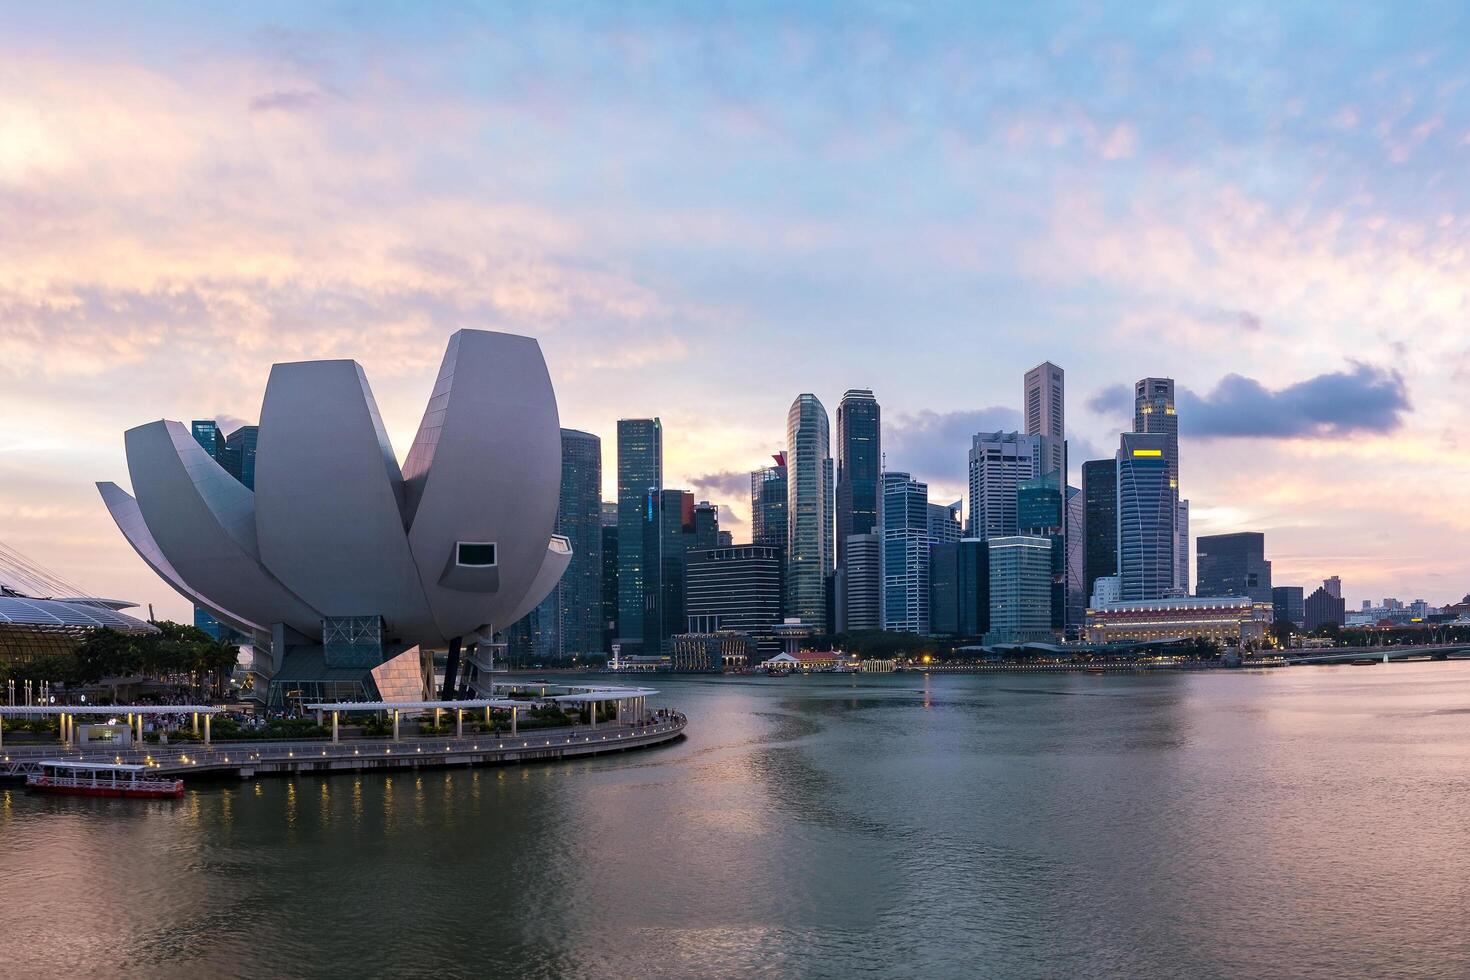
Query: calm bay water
x,y
1303,822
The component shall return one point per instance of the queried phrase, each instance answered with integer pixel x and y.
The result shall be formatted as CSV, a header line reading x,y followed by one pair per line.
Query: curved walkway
x,y
256,757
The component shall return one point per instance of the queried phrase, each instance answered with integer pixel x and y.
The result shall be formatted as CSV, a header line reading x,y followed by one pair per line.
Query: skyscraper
x,y
579,518
238,454
1154,413
1288,604
905,555
808,511
1145,518
609,573
640,481
1045,409
768,504
944,587
676,540
859,465
1100,521
1020,589
1333,586
999,463
863,584
1234,564
944,522
1323,607
207,434
1076,546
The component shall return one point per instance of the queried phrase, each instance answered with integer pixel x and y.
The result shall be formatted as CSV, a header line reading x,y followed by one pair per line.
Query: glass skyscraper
x,y
1154,412
238,455
859,465
1234,564
905,554
640,481
1146,513
808,511
768,504
1100,521
579,594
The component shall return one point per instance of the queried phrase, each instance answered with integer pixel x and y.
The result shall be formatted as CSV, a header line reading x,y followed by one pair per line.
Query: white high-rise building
x,y
1046,414
905,555
999,463
808,511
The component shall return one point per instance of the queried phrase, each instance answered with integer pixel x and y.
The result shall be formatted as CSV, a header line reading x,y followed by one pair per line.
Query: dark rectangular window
x,y
476,553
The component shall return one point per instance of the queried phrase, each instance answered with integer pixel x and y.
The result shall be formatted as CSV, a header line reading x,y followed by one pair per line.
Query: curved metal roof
x,y
54,613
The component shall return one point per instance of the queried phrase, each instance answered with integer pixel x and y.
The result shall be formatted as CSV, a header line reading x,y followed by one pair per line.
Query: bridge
x,y
1343,655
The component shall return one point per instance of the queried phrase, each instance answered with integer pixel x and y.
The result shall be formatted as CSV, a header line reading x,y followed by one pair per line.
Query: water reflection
x,y
1305,822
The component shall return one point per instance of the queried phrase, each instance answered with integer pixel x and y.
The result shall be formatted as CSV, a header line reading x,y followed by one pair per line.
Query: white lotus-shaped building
x,y
451,547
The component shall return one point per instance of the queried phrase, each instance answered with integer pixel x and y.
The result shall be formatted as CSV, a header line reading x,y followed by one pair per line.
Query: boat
x,y
1363,662
68,778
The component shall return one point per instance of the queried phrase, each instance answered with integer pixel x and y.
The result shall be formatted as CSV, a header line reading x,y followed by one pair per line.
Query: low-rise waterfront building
x,y
1225,619
725,650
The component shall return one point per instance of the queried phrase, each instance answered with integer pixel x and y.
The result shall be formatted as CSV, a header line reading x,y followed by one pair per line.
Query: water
x,y
1303,822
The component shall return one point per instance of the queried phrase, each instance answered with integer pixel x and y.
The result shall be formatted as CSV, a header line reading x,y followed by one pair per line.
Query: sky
x,y
704,210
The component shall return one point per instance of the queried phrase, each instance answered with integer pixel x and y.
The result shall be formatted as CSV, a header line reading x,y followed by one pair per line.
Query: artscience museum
x,y
345,569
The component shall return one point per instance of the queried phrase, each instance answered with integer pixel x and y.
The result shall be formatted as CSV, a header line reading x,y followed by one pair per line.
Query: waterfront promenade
x,y
247,759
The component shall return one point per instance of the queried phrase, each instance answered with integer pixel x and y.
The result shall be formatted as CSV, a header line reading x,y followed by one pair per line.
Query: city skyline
x,y
1285,244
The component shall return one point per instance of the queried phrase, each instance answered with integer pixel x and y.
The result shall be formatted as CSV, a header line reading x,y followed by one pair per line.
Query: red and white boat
x,y
67,778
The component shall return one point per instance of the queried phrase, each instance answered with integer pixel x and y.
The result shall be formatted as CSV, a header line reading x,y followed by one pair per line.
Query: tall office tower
x,y
973,586
808,511
944,522
1181,548
859,465
640,481
208,435
1287,604
676,540
736,588
724,539
1020,589
768,503
905,555
1099,521
609,580
1045,401
1040,512
999,463
706,525
862,584
1145,518
1153,412
238,455
1333,586
1234,564
1076,545
579,593
944,587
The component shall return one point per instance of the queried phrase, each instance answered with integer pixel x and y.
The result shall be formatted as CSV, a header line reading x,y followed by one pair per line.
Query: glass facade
x,y
640,479
768,504
809,511
859,465
1234,564
1020,589
1146,514
905,555
1100,522
238,455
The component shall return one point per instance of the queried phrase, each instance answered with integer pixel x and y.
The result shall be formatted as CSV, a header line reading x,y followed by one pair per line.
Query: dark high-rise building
x,y
944,587
579,593
859,465
1146,518
1288,604
737,588
726,539
676,540
706,525
207,434
1100,522
238,455
944,522
1040,512
768,504
972,586
1322,607
609,573
640,481
1233,564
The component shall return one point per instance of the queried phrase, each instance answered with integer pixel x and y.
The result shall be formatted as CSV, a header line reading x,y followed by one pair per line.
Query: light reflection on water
x,y
1302,822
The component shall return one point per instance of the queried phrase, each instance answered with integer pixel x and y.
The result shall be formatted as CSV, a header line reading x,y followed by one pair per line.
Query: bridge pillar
x,y
206,731
513,713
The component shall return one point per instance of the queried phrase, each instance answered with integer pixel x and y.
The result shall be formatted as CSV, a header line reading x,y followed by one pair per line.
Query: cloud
x,y
1363,399
292,100
725,484
932,445
1112,400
